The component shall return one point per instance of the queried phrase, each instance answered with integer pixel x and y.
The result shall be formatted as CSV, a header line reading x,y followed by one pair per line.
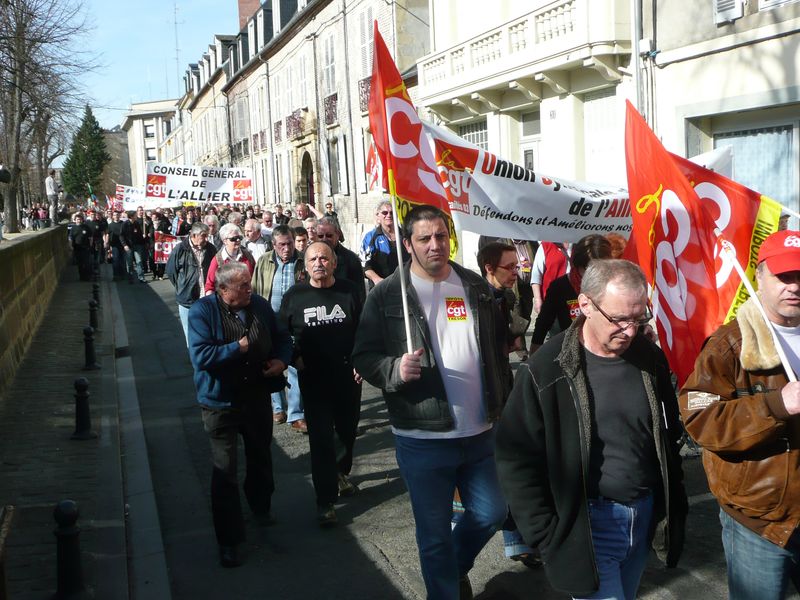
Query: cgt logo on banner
x,y
165,244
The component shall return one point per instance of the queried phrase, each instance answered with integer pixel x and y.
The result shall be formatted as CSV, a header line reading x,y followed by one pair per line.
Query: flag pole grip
x,y
726,247
403,284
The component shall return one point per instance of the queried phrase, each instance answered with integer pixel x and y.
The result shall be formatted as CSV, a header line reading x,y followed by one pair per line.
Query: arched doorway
x,y
307,179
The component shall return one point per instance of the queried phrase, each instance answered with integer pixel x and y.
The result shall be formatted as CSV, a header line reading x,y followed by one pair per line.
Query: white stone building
x,y
147,124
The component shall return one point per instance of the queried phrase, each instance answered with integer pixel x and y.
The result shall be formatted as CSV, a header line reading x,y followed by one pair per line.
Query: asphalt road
x,y
372,553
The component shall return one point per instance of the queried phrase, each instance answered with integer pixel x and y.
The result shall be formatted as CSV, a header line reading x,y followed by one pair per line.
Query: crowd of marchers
x,y
575,457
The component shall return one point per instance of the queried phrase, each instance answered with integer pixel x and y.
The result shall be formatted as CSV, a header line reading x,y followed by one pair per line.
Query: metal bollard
x,y
68,550
83,421
96,293
96,272
88,350
93,314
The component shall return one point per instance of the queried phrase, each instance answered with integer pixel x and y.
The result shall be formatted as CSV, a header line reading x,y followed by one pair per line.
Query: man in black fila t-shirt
x,y
322,315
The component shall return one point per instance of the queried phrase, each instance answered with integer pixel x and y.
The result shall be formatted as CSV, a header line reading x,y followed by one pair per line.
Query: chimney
x,y
247,8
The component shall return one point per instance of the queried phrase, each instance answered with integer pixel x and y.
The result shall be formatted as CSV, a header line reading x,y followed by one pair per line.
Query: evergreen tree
x,y
87,157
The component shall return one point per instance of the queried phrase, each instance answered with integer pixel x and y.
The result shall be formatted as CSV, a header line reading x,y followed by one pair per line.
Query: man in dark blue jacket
x,y
239,352
187,268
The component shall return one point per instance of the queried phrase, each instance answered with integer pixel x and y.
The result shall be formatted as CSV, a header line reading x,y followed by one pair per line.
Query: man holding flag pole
x,y
742,404
442,377
740,399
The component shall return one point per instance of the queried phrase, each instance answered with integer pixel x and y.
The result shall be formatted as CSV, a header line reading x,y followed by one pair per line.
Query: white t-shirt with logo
x,y
790,342
455,347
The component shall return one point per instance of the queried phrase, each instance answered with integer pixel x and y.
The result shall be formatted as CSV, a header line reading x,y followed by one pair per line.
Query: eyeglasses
x,y
326,235
621,322
385,212
236,238
509,267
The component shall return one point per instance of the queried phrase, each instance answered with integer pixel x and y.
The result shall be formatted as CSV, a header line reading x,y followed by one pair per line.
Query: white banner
x,y
134,197
212,185
491,196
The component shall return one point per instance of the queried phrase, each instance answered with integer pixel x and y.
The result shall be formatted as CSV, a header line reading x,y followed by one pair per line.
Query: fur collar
x,y
758,351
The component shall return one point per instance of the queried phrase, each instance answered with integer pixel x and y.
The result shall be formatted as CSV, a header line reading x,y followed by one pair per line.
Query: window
x,y
278,179
604,138
531,124
768,4
765,160
333,164
149,131
151,154
367,42
475,133
328,67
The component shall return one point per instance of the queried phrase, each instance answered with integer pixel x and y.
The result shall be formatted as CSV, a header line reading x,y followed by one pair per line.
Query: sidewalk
x,y
40,465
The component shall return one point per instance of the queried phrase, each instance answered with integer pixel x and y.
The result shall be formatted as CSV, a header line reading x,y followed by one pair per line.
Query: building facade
x,y
728,74
147,125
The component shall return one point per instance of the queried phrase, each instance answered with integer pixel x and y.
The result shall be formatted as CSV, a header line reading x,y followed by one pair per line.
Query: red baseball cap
x,y
781,250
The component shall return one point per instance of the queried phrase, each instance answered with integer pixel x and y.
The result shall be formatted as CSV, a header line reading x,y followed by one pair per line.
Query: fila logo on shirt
x,y
456,309
319,315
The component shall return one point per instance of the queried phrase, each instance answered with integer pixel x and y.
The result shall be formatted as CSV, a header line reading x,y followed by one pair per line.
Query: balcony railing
x,y
277,131
553,31
363,93
331,105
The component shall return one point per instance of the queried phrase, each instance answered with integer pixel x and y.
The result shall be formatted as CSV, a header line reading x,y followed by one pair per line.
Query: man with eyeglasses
x,y
276,272
587,448
379,249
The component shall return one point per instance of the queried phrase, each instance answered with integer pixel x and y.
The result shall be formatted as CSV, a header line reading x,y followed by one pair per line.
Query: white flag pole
x,y
728,249
403,284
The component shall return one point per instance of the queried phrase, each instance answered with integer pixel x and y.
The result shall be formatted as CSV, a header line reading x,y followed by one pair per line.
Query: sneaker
x,y
326,516
279,417
346,487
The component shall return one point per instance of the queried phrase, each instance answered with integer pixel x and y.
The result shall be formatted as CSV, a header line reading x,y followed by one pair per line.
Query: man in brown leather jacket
x,y
741,407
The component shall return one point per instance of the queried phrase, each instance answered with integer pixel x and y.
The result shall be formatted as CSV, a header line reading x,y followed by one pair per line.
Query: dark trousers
x,y
83,258
253,421
332,409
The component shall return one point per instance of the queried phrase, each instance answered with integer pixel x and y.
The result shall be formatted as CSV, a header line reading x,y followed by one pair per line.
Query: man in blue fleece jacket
x,y
239,352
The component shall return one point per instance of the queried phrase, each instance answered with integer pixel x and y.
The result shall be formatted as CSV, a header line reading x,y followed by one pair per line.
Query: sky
x,y
135,46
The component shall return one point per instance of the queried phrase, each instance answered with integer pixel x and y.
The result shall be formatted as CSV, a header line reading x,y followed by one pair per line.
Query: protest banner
x,y
211,185
164,244
496,197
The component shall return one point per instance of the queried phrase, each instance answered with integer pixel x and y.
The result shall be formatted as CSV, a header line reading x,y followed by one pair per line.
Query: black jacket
x,y
543,454
348,266
182,271
381,342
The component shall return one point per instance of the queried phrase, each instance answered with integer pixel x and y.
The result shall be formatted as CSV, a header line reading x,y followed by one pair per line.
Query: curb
x,y
146,557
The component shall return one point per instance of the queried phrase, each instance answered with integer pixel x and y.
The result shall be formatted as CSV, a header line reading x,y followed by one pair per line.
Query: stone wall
x,y
30,267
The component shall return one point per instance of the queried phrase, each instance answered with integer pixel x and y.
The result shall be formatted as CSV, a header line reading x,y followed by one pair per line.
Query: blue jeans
x,y
183,313
432,469
290,398
757,568
620,536
139,256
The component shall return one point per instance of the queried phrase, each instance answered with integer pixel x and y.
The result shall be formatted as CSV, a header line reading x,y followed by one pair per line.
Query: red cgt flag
x,y
674,244
744,217
409,166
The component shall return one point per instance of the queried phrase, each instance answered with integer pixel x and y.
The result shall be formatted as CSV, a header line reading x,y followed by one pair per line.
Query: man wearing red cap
x,y
741,407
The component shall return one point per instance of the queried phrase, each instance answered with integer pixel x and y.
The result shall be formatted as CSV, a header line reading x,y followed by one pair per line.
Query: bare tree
x,y
39,65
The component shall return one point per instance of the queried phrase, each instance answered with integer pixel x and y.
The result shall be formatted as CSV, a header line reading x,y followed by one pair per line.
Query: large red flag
x,y
675,245
744,217
409,167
